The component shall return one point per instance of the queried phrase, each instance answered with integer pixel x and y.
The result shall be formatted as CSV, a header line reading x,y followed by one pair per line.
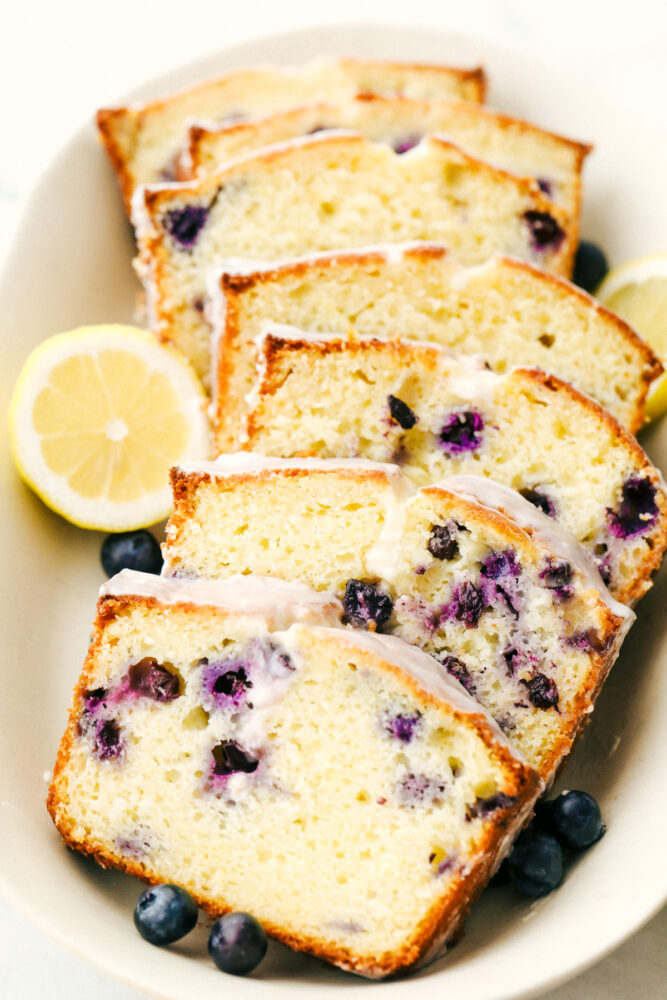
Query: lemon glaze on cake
x,y
332,397
331,191
505,310
143,140
331,783
512,607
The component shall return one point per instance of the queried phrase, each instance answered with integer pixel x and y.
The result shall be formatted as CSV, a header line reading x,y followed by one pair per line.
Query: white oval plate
x,y
70,265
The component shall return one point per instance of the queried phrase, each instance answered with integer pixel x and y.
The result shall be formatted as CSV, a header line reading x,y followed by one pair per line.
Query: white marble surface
x,y
58,62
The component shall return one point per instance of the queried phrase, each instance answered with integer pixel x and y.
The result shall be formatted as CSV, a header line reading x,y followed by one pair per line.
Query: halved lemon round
x,y
97,418
637,291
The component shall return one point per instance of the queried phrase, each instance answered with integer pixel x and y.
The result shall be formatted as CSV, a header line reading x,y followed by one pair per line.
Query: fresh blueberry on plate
x,y
131,550
536,863
576,820
237,943
165,913
590,266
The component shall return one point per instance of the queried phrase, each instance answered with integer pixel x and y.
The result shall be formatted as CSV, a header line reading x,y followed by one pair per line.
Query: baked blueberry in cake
x,y
227,787
328,397
502,597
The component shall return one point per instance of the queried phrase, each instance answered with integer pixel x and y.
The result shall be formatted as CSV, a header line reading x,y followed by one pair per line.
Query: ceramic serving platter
x,y
71,264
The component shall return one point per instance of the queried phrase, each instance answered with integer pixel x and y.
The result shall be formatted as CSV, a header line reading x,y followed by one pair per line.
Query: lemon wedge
x,y
637,291
97,418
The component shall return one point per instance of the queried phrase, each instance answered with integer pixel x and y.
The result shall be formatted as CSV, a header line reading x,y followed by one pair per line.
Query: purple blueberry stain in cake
x,y
466,605
442,543
518,659
406,143
500,564
185,224
365,606
108,741
483,807
442,863
542,691
137,844
546,234
229,757
346,926
415,790
637,511
150,679
457,668
400,413
461,432
199,304
545,186
556,573
402,727
93,699
225,684
539,499
587,640
99,727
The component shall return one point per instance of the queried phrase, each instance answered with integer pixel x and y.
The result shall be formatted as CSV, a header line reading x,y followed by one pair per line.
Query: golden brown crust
x,y
106,120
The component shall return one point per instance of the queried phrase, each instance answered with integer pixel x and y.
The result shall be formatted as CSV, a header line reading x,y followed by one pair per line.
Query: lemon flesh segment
x,y
98,417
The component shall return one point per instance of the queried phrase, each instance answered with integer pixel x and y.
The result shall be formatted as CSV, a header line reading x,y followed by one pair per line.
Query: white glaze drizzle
x,y
279,602
250,463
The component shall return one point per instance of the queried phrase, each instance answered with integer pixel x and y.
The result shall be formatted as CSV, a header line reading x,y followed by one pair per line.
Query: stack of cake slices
x,y
388,606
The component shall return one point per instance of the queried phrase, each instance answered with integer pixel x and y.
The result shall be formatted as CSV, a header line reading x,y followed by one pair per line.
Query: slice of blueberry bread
x,y
411,403
505,310
143,140
325,192
502,596
514,145
333,783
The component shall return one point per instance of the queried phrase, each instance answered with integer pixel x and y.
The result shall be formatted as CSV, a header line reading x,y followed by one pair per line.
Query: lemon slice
x,y
97,418
637,291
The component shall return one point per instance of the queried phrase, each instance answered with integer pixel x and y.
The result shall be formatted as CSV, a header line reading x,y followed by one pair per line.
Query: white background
x,y
59,61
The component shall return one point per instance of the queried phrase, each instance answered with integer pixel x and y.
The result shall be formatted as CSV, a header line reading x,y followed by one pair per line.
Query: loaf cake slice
x,y
333,783
515,145
505,310
412,404
143,140
511,606
324,192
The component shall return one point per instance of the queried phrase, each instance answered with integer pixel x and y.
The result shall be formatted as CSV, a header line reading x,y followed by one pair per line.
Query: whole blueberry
x,y
575,819
536,863
237,943
131,550
165,913
590,266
